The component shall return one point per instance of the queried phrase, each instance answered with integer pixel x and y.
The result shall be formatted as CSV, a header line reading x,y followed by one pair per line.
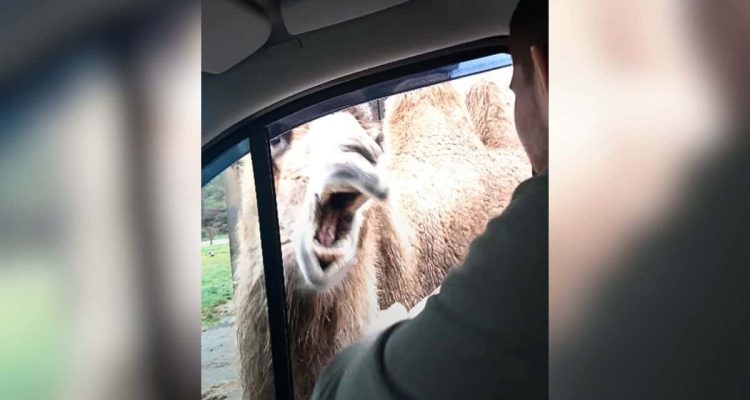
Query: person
x,y
485,334
671,323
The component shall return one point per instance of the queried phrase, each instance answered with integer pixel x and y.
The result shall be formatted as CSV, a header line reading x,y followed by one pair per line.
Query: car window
x,y
377,202
230,252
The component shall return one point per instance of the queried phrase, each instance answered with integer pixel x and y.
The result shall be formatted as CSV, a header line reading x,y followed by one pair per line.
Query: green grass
x,y
216,281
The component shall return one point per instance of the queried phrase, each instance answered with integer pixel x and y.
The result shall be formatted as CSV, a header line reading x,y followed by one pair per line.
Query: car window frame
x,y
254,134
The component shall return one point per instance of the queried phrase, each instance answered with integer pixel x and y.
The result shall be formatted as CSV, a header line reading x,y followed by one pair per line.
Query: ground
x,y
219,369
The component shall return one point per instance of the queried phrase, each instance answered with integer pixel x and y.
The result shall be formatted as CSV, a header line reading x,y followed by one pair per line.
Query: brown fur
x,y
492,115
429,133
253,341
319,323
491,110
444,184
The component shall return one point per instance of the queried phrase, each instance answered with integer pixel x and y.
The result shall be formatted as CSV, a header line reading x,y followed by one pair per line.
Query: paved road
x,y
219,367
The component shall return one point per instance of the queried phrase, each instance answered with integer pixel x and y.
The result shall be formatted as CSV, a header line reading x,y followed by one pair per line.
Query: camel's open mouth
x,y
334,218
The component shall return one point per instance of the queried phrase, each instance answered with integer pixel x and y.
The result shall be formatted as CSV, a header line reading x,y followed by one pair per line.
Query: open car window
x,y
377,195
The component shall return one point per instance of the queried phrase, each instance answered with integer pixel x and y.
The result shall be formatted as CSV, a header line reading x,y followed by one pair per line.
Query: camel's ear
x,y
367,116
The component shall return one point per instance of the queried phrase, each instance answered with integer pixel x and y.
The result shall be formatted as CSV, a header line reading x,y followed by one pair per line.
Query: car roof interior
x,y
258,53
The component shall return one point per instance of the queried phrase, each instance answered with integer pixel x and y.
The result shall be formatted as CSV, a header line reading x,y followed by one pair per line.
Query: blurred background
x,y
100,198
634,105
648,198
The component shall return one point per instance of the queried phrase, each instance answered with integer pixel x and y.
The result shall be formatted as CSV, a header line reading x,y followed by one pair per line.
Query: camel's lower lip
x,y
329,255
335,247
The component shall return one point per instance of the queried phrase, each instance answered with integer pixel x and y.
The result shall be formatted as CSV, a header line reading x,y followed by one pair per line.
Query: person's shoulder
x,y
535,186
529,203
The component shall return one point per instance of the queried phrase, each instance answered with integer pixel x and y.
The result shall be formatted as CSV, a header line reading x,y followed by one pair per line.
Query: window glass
x,y
232,269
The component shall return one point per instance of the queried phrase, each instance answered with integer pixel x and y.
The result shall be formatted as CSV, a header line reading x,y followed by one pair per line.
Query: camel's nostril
x,y
383,193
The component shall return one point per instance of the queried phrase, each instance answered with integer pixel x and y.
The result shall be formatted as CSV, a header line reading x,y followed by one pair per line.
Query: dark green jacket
x,y
484,336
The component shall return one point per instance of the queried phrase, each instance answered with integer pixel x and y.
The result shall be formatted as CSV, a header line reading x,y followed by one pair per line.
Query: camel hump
x,y
443,96
492,117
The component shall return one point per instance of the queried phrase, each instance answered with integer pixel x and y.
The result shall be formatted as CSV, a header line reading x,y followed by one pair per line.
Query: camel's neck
x,y
322,323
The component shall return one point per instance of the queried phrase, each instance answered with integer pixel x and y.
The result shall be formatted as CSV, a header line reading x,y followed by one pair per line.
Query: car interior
x,y
351,153
259,55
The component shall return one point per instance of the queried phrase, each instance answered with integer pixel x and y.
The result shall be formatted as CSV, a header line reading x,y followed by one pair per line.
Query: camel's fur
x,y
489,110
319,323
445,186
444,183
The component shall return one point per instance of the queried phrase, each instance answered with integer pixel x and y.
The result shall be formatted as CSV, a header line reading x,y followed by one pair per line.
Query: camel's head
x,y
325,178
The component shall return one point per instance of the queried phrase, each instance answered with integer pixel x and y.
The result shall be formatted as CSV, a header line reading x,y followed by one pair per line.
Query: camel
x,y
316,324
368,217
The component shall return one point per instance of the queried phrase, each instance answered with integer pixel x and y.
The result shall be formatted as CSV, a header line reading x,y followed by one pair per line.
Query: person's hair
x,y
529,26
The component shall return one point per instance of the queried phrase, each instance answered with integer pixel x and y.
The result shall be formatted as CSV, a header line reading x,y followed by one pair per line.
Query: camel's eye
x,y
279,145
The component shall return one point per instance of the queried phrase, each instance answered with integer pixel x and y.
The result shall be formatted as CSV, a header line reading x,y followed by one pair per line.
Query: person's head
x,y
530,83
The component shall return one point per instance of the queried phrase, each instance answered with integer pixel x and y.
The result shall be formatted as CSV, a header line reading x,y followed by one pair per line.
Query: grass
x,y
216,281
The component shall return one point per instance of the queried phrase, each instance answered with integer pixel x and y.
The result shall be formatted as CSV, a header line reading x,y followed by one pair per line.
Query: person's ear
x,y
540,68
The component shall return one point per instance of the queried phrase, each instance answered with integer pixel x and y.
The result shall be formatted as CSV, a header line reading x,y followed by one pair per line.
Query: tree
x,y
213,209
233,199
